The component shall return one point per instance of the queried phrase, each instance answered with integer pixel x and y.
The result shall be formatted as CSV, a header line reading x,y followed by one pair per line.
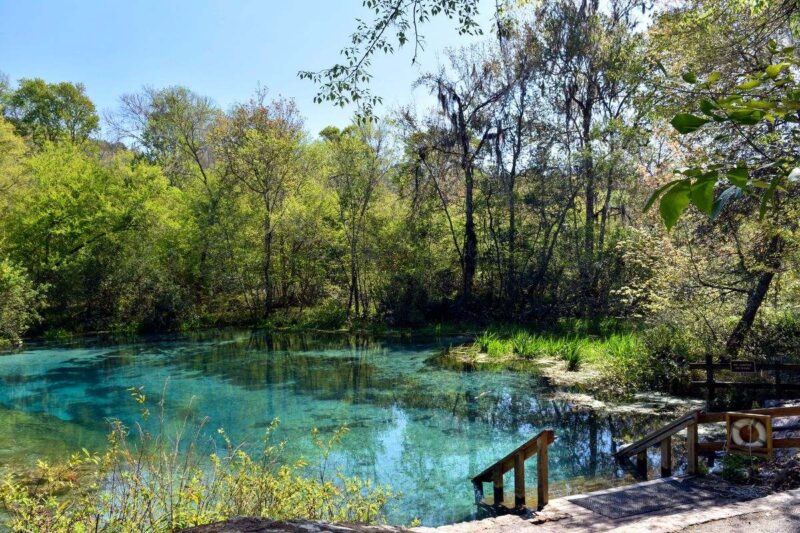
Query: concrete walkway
x,y
702,510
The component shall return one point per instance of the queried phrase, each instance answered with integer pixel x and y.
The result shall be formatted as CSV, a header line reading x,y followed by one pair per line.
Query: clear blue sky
x,y
221,49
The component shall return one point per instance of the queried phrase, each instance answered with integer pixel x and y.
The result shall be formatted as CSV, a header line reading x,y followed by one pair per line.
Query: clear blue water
x,y
420,428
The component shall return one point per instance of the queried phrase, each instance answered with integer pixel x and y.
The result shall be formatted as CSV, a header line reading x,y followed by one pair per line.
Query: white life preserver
x,y
751,424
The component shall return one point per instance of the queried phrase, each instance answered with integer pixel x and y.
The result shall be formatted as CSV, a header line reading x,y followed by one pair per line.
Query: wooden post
x,y
519,480
478,487
542,490
641,463
710,389
666,457
497,482
691,449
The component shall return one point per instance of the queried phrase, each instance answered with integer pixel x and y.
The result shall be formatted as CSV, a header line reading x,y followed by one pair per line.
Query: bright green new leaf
x,y
747,117
761,104
750,84
773,70
687,122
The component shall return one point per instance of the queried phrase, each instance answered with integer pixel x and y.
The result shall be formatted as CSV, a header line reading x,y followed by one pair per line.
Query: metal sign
x,y
744,367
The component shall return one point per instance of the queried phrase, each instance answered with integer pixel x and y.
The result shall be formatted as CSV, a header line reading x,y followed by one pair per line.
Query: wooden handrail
x,y
662,437
774,412
516,460
656,437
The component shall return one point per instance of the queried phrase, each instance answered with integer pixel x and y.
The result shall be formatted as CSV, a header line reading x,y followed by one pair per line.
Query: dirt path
x,y
782,520
663,510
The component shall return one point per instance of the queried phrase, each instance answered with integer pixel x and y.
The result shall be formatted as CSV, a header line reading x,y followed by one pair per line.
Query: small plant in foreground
x,y
155,484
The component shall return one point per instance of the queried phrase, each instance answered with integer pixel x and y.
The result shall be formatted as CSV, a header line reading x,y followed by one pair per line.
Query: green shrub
x,y
738,468
156,484
19,301
655,359
775,336
329,315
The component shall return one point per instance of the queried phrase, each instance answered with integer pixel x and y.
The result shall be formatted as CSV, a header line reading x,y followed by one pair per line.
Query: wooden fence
x,y
778,387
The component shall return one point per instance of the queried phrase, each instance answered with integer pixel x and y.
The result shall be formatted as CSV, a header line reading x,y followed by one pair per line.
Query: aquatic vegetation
x,y
627,360
484,340
573,357
149,482
523,344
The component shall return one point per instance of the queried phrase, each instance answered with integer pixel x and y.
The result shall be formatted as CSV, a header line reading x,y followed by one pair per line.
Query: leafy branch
x,y
761,102
395,23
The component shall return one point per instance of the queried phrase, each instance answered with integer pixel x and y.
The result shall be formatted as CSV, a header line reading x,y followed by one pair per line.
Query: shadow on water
x,y
419,427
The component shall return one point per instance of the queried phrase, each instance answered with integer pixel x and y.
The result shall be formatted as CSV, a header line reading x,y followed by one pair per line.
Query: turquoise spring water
x,y
420,428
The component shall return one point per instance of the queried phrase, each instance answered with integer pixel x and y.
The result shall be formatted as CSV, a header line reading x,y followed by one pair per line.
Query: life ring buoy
x,y
751,424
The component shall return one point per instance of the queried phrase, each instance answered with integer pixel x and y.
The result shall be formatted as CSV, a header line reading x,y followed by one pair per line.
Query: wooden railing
x,y
516,460
777,387
662,438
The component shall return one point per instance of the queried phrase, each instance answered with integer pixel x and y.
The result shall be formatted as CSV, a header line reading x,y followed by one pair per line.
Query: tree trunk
x,y
354,296
587,264
470,238
511,281
267,261
756,297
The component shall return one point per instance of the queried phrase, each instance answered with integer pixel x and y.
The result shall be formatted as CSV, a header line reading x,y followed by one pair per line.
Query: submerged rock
x,y
264,525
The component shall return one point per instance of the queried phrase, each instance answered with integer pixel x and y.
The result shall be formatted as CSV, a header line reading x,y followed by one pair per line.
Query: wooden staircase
x,y
516,460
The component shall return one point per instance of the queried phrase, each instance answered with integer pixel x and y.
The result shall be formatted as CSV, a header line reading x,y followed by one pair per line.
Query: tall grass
x,y
568,342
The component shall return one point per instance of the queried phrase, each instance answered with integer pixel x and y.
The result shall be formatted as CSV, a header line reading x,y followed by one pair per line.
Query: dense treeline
x,y
517,197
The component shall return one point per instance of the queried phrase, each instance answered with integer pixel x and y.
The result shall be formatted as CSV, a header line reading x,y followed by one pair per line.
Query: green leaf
x,y
656,193
750,84
713,77
674,203
702,195
708,107
760,104
747,117
773,70
689,77
687,123
739,176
